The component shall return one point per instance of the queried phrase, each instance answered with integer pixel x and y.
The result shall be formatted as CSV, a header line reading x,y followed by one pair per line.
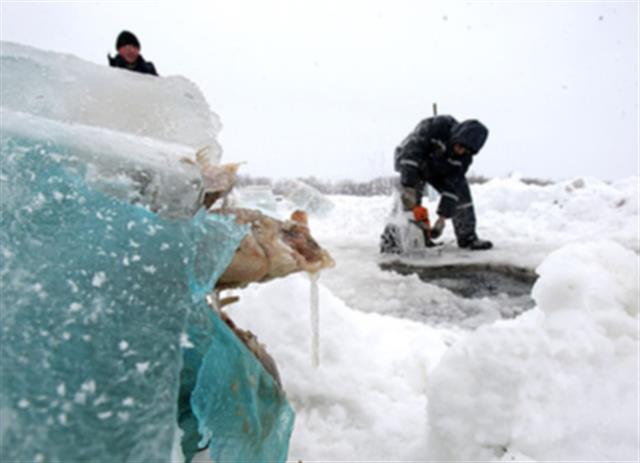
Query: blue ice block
x,y
101,307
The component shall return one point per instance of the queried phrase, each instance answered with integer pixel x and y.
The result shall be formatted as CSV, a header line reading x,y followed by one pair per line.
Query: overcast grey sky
x,y
329,88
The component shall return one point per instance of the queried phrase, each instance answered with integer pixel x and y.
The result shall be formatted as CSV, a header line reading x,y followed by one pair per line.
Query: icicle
x,y
315,320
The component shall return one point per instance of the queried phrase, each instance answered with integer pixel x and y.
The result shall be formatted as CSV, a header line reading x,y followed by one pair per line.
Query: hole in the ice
x,y
509,285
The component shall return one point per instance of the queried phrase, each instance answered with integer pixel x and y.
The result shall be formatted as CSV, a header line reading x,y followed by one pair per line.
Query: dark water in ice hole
x,y
509,286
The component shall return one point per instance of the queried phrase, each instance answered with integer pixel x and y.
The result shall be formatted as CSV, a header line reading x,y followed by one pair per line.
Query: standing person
x,y
439,152
129,56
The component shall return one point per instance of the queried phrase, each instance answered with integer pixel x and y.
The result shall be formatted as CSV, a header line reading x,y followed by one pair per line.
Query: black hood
x,y
472,134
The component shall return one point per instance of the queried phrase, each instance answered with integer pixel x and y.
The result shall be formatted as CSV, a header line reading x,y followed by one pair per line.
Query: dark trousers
x,y
464,219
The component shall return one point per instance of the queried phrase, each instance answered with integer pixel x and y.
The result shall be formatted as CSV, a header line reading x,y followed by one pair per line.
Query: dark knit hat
x,y
127,38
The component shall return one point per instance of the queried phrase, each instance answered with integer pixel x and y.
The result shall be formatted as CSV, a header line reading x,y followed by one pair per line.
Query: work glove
x,y
437,228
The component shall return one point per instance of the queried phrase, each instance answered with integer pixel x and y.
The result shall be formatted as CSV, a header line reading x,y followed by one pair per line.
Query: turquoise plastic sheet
x,y
104,328
238,406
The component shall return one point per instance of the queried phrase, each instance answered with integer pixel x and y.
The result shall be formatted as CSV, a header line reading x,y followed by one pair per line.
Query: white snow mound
x,y
558,383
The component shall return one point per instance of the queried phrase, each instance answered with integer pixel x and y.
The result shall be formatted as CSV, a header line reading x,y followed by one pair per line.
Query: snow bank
x,y
366,400
557,383
575,210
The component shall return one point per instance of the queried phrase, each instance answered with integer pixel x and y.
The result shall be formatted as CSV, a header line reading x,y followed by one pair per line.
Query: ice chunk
x,y
90,345
260,197
131,130
306,197
67,89
134,169
74,387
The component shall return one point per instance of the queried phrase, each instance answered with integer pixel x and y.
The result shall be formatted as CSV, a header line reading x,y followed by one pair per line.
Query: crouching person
x,y
438,153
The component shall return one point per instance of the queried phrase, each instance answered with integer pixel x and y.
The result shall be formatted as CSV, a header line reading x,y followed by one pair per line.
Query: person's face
x,y
459,149
130,53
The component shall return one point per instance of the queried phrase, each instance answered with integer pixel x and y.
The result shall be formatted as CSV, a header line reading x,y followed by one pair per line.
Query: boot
x,y
476,244
437,228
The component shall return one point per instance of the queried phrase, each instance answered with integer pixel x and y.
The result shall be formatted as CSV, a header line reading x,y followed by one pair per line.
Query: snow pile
x,y
574,210
557,383
560,382
366,400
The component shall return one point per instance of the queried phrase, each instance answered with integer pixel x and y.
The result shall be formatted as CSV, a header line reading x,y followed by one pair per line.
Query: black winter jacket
x,y
145,67
426,156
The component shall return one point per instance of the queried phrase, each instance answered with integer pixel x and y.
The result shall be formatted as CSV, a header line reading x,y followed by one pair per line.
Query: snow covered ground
x,y
559,382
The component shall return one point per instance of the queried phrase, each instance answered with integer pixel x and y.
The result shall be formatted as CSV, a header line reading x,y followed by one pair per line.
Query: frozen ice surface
x,y
103,299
